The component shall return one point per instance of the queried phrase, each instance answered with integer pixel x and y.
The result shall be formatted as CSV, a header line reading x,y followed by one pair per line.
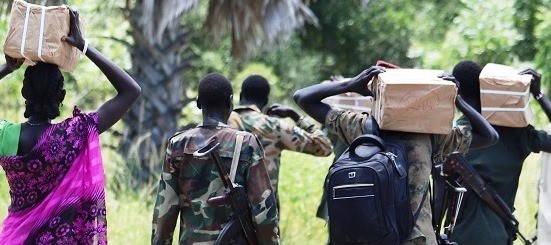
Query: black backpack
x,y
367,190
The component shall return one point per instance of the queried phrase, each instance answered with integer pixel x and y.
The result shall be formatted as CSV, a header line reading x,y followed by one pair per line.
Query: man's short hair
x,y
255,88
214,90
467,73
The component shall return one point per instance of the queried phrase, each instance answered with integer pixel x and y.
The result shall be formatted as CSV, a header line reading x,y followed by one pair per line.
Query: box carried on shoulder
x,y
414,100
504,96
35,34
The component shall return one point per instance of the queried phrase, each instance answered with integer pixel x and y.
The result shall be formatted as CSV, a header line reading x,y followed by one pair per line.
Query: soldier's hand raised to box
x,y
535,89
283,111
535,85
449,77
358,84
74,38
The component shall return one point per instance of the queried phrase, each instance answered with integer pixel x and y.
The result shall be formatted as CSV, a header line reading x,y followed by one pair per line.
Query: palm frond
x,y
251,23
159,15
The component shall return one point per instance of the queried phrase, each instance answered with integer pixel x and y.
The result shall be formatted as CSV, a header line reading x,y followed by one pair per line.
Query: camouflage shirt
x,y
188,182
277,135
349,125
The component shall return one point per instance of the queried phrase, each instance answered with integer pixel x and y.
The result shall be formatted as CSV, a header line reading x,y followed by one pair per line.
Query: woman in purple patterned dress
x,y
55,171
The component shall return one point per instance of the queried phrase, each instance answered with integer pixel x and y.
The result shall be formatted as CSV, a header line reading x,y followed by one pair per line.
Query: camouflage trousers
x,y
418,177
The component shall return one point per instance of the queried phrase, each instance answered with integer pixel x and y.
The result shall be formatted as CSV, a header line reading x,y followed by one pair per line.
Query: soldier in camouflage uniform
x,y
349,125
275,133
188,182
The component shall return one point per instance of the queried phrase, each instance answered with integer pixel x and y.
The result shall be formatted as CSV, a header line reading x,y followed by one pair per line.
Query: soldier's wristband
x,y
539,96
85,48
300,119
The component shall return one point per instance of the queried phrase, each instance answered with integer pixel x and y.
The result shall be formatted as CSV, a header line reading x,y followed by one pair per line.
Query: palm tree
x,y
160,39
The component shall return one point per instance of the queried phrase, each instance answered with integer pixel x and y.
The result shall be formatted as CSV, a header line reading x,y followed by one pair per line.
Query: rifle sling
x,y
416,215
240,136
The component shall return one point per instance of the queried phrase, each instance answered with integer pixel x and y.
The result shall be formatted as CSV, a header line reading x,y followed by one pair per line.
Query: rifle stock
x,y
235,195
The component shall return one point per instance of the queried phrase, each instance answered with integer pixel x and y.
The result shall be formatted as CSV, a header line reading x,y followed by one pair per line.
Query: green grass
x,y
129,216
301,185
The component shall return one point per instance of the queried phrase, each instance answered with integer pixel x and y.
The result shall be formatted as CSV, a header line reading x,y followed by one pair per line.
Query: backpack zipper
x,y
390,155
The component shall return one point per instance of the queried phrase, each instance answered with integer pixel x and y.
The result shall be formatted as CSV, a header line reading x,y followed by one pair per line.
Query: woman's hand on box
x,y
75,38
535,85
358,84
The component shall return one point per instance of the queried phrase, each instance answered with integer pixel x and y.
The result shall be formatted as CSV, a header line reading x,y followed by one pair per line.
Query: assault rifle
x,y
238,230
458,172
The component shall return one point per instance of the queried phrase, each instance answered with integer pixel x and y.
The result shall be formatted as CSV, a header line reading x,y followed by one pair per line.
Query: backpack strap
x,y
416,215
240,136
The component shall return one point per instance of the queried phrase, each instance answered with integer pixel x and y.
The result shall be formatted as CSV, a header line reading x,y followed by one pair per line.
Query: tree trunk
x,y
158,66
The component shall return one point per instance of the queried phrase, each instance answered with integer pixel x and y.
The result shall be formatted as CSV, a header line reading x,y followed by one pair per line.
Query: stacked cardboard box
x,y
504,96
414,100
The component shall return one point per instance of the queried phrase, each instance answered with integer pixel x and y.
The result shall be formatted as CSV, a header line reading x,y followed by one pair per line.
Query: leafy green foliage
x,y
483,31
295,67
526,21
543,46
352,37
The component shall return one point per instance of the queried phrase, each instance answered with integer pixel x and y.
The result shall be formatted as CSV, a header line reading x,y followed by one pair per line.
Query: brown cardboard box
x,y
504,96
414,100
349,101
33,43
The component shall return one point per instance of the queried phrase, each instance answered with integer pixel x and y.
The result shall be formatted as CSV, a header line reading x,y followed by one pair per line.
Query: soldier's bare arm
x,y
262,199
309,98
165,214
483,134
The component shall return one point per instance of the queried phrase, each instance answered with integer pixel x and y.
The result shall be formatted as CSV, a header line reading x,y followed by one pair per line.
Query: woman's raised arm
x,y
10,66
128,90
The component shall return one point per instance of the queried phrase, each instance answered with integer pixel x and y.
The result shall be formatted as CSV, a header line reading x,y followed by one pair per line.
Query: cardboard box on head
x,y
504,96
35,34
414,100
